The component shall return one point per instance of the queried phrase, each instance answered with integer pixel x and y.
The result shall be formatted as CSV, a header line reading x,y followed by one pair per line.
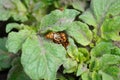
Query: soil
x,y
3,74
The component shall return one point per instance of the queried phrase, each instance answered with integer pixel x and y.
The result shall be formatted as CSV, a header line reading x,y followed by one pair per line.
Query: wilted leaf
x,y
80,32
41,59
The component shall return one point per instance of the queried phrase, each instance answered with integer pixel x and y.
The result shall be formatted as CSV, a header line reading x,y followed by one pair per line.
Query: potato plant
x,y
92,29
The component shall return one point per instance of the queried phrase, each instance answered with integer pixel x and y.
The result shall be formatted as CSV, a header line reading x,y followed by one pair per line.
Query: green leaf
x,y
48,2
57,19
94,64
109,59
21,11
115,51
10,26
37,8
10,8
2,44
5,57
102,48
60,76
111,29
5,60
86,76
96,76
72,50
99,9
104,16
80,32
4,5
5,15
88,17
70,66
113,71
16,39
16,72
83,54
81,69
79,5
41,58
78,54
19,7
105,76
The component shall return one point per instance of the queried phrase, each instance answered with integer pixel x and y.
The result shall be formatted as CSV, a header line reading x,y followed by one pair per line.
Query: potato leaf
x,y
81,69
105,76
80,32
104,16
70,66
109,59
11,26
88,17
113,71
16,72
16,39
2,44
96,76
98,10
5,56
41,59
57,19
5,59
102,48
86,76
10,8
5,14
72,50
111,29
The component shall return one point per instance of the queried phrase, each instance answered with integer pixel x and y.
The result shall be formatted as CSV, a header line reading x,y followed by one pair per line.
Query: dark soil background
x,y
3,74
